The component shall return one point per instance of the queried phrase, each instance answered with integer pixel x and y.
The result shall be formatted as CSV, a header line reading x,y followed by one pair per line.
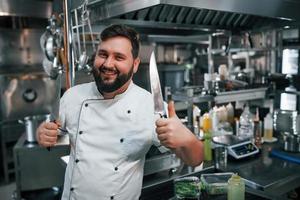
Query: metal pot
x,y
291,142
285,121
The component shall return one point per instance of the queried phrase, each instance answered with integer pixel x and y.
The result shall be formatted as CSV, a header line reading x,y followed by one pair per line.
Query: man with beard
x,y
111,125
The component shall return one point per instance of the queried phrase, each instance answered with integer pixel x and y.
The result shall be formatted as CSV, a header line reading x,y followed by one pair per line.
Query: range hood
x,y
195,14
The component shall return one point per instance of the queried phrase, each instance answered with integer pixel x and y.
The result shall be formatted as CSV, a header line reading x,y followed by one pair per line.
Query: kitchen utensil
x,y
155,88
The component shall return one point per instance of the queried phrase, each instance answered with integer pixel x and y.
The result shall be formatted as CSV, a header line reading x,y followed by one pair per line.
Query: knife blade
x,y
155,88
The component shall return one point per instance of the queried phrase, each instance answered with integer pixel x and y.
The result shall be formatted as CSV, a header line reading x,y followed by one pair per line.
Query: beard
x,y
102,83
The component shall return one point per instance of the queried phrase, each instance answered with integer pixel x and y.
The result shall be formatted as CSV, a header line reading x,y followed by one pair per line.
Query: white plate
x,y
274,139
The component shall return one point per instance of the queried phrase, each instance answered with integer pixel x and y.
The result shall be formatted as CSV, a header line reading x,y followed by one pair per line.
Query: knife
x,y
159,107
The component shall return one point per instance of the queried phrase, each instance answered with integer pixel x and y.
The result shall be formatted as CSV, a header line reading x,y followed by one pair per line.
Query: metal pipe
x,y
68,44
209,56
77,32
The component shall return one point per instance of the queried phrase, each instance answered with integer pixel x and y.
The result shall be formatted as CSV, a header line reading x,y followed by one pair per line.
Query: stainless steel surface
x,y
36,168
285,121
273,177
228,140
155,87
31,126
69,41
171,75
221,13
26,95
266,176
291,142
26,8
20,50
224,97
160,163
241,95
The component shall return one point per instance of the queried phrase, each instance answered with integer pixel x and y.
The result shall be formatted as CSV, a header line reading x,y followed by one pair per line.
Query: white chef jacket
x,y
109,140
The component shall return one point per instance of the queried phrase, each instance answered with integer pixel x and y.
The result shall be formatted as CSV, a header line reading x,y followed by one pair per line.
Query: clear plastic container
x,y
216,183
246,124
187,188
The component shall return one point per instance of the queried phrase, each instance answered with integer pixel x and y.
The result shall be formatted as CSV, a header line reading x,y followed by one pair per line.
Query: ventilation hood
x,y
195,14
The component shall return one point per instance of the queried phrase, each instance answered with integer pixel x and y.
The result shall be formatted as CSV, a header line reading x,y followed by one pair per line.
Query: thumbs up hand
x,y
171,132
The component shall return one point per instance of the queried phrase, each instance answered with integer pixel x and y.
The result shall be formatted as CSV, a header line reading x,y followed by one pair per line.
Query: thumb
x,y
171,109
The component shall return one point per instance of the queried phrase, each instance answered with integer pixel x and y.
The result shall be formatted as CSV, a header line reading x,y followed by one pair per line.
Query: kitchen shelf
x,y
224,97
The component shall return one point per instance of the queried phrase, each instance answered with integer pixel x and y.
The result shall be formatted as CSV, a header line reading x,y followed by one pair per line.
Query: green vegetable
x,y
187,187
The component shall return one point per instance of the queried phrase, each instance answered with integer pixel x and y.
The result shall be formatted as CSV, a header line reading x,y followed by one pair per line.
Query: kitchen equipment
x,y
20,50
172,75
291,142
237,147
285,120
25,95
220,157
31,124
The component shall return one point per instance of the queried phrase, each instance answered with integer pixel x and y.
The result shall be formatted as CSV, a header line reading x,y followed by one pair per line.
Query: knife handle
x,y
163,116
54,121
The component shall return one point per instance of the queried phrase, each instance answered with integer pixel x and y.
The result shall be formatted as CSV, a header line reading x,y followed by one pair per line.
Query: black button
x,y
112,197
80,132
86,105
122,140
77,160
128,111
116,168
72,189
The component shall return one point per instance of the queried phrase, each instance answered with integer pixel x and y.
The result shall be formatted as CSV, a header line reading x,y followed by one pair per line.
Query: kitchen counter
x,y
267,177
271,177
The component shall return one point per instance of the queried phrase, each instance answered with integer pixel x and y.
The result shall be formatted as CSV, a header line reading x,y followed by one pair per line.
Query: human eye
x,y
102,54
119,57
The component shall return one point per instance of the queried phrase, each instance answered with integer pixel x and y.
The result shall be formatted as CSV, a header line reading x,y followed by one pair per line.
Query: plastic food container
x,y
216,183
187,188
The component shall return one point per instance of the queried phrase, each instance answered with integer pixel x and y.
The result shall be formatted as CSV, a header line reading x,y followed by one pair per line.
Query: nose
x,y
108,62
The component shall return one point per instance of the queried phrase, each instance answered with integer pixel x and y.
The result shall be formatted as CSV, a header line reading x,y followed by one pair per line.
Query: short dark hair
x,y
123,31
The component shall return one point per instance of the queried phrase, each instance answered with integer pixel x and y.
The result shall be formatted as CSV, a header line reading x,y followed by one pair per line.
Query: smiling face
x,y
114,65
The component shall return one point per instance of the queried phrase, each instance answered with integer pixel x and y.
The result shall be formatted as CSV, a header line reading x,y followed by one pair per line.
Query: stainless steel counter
x,y
271,177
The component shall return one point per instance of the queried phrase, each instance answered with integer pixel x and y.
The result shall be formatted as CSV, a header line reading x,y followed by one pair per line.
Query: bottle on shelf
x,y
230,113
207,135
246,124
268,128
257,134
257,126
196,120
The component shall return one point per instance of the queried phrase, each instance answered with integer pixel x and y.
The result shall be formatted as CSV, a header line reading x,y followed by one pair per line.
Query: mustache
x,y
104,69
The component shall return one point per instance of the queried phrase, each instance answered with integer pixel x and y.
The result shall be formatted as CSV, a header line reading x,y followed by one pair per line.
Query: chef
x,y
111,125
